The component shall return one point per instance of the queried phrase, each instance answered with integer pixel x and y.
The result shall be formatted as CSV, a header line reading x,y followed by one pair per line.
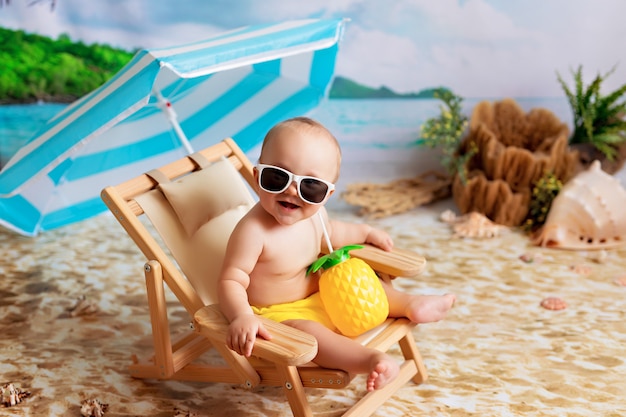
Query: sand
x,y
498,353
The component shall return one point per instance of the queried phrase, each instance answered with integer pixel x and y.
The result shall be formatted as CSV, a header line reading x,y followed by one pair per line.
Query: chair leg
x,y
294,391
368,404
158,317
410,352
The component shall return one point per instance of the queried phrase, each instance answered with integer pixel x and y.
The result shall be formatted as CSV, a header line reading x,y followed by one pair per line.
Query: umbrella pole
x,y
166,106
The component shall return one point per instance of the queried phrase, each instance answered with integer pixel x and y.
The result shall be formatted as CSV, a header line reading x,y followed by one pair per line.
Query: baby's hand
x,y
242,333
380,238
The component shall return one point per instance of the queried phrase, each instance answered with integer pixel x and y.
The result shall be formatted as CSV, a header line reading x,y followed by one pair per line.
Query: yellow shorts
x,y
310,308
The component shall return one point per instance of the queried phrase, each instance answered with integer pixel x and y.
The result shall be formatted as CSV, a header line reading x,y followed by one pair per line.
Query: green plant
x,y
38,67
446,132
598,119
545,191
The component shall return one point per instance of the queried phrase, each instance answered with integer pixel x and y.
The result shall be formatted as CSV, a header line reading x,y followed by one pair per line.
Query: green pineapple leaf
x,y
335,257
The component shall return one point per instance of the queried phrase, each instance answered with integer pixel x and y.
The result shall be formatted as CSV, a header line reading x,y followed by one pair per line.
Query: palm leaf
x,y
614,96
571,98
598,119
605,147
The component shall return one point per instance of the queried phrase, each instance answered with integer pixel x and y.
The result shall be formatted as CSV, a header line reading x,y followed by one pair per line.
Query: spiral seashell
x,y
588,213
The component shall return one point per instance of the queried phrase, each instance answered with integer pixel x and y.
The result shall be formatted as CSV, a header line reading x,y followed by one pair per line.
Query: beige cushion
x,y
203,254
201,198
204,195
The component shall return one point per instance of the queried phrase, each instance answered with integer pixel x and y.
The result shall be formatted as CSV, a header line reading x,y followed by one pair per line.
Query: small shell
x,y
184,413
588,213
93,408
598,256
83,307
620,280
476,225
12,395
448,216
530,258
553,303
581,269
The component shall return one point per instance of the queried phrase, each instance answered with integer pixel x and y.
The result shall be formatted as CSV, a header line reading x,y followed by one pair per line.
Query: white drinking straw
x,y
330,246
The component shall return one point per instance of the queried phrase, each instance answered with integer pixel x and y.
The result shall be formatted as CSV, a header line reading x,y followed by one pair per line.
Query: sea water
x,y
378,137
20,122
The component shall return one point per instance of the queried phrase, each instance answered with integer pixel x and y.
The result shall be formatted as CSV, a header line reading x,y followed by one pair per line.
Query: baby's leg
x,y
339,352
418,308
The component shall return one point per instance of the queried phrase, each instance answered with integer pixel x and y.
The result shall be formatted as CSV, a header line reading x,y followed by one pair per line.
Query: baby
x,y
265,267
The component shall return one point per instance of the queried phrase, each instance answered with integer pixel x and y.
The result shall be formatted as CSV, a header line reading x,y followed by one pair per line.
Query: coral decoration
x,y
493,198
513,150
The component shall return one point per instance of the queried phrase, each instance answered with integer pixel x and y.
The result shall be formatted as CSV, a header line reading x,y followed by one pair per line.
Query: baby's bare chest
x,y
291,249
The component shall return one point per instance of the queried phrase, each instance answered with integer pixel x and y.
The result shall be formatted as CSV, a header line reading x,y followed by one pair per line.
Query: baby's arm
x,y
343,233
243,251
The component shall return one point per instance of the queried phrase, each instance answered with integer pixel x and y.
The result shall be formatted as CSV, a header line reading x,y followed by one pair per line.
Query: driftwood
x,y
399,196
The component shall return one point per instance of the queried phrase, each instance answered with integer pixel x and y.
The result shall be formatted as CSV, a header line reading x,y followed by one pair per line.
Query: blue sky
x,y
479,48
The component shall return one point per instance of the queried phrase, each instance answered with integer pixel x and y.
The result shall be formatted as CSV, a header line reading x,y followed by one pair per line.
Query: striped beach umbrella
x,y
164,104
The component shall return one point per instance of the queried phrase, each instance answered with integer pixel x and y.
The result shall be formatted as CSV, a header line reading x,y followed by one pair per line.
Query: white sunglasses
x,y
275,180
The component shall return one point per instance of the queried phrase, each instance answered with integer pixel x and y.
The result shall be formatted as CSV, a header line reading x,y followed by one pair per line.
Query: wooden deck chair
x,y
193,204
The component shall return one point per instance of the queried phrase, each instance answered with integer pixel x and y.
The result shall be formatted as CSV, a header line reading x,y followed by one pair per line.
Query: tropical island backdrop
x,y
39,68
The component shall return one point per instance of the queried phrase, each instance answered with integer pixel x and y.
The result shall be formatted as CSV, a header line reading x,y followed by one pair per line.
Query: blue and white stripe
x,y
237,84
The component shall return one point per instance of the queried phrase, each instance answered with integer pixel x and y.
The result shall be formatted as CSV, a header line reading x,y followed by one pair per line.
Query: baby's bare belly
x,y
266,291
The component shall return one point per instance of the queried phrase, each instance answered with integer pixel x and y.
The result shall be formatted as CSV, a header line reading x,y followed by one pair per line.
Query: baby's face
x,y
301,152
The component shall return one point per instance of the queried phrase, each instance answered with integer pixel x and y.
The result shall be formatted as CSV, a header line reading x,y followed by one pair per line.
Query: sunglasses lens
x,y
273,180
276,180
313,190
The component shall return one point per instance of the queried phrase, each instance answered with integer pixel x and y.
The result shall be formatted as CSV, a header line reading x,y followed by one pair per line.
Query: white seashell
x,y
83,307
588,213
93,408
475,225
448,216
599,256
10,395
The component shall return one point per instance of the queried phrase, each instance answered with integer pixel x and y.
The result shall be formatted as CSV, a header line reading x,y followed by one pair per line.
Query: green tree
x,y
37,67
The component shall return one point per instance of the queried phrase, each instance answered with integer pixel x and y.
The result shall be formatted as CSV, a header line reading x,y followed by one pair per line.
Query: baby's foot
x,y
429,308
384,370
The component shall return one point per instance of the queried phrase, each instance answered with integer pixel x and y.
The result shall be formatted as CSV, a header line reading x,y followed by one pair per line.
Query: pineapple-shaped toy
x,y
351,292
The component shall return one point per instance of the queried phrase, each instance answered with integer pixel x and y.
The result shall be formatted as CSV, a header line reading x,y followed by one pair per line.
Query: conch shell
x,y
588,213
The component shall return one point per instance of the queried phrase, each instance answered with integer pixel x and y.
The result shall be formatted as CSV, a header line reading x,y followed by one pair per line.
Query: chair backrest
x,y
193,204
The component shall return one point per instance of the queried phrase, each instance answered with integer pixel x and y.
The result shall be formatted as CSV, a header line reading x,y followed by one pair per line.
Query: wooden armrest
x,y
397,262
288,346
